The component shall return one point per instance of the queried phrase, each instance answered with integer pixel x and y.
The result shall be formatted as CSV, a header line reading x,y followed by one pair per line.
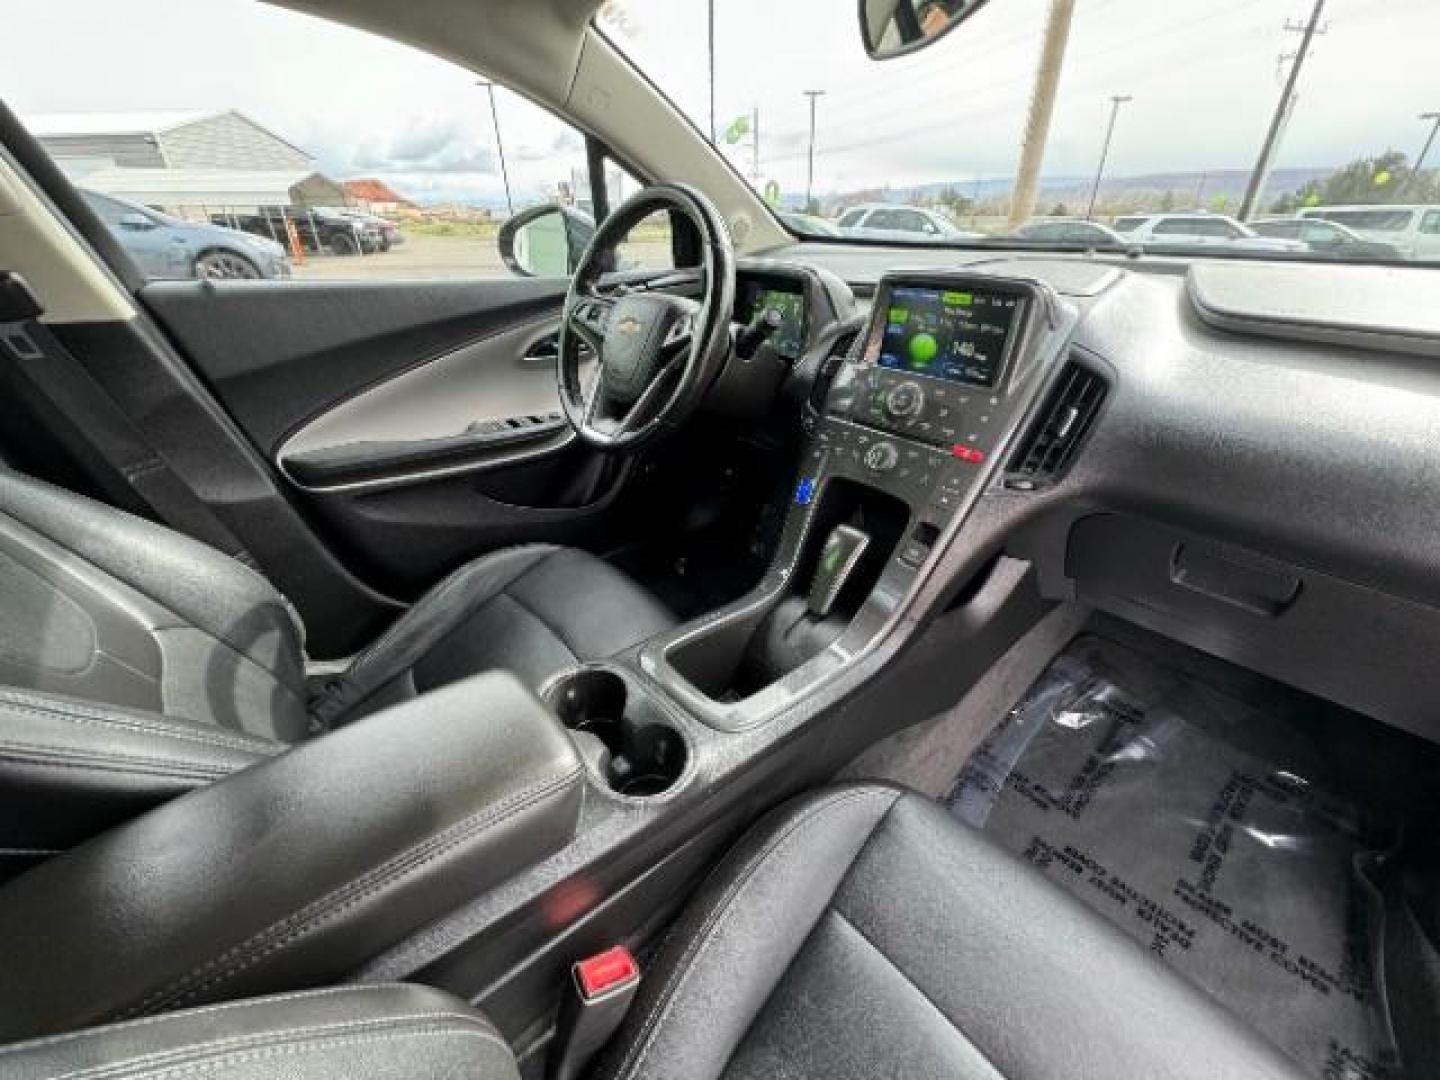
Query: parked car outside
x,y
807,224
390,234
1200,230
1069,231
890,221
1335,240
1414,230
319,228
170,247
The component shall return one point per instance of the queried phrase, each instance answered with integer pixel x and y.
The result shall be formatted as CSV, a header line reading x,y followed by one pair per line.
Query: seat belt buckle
x,y
601,990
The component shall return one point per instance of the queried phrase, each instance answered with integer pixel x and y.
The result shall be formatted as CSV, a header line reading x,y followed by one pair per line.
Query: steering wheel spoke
x,y
588,316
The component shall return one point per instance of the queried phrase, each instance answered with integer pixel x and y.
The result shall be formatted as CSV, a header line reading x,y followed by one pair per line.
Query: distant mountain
x,y
1188,189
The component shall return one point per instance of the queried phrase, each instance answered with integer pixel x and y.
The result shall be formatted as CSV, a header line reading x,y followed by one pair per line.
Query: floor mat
x,y
1192,822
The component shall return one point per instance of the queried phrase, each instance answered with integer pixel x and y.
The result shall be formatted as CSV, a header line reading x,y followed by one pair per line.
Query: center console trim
x,y
1041,346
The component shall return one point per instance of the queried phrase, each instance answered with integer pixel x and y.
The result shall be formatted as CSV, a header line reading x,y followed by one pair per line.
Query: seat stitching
x,y
202,1010
905,975
284,931
84,719
689,960
209,1055
65,758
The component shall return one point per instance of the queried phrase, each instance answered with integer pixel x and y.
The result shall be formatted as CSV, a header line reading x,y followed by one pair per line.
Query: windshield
x,y
1158,109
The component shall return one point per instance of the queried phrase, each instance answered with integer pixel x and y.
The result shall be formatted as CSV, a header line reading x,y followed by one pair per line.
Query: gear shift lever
x,y
843,549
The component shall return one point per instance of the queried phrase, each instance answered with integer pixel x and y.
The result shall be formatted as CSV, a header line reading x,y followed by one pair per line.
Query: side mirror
x,y
138,222
545,241
891,28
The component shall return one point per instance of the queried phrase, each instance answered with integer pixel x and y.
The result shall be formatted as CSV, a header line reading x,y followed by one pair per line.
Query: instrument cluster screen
x,y
959,335
755,298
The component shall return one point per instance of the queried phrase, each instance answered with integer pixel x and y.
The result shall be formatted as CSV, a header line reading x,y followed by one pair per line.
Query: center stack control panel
x,y
921,403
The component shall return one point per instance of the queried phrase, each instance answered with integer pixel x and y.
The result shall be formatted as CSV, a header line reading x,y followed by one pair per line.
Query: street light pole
x,y
499,143
810,171
711,56
1116,100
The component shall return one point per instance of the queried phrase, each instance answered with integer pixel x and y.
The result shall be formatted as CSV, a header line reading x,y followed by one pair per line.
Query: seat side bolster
x,y
749,920
374,1031
71,769
431,617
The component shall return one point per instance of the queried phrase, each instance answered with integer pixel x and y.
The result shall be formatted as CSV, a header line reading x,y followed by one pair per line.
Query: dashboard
x,y
1252,481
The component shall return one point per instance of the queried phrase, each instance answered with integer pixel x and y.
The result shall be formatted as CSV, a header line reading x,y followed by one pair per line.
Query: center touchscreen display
x,y
953,334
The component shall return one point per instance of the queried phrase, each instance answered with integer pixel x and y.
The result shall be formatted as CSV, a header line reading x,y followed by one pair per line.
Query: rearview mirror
x,y
545,241
136,221
893,28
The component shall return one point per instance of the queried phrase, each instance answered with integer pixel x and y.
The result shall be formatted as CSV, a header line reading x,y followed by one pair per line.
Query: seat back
x,y
106,607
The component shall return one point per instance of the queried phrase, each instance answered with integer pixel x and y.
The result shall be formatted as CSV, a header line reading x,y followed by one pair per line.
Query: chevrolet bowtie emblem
x,y
628,325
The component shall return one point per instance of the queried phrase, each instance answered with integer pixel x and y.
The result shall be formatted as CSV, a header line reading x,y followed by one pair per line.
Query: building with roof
x,y
166,139
190,163
376,196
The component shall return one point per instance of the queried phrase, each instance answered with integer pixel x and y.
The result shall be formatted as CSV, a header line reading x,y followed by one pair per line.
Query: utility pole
x,y
499,143
1434,118
710,9
810,172
1042,108
1283,107
1116,100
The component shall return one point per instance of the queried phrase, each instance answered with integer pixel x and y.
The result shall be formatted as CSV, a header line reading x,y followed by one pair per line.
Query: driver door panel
x,y
419,424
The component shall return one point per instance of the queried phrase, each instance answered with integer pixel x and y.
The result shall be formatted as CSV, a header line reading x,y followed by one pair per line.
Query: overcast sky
x,y
1204,77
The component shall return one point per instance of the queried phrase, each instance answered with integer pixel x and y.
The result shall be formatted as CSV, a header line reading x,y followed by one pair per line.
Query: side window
x,y
650,245
850,218
1430,223
1175,227
336,155
916,222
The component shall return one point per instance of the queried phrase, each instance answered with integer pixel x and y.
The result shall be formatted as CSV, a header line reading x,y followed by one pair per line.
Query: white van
x,y
1414,230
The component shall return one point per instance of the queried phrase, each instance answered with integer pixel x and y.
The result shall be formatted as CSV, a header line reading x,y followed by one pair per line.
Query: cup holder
x,y
626,742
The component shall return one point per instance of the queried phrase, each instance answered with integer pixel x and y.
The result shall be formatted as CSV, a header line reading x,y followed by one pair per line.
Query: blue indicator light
x,y
805,492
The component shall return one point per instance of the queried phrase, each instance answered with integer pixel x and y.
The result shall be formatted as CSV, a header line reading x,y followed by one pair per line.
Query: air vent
x,y
1067,417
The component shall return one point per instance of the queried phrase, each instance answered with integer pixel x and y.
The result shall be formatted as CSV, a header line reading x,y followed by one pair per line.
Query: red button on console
x,y
967,453
605,971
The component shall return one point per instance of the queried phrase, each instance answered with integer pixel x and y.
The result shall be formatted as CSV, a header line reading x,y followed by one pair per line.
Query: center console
x,y
911,425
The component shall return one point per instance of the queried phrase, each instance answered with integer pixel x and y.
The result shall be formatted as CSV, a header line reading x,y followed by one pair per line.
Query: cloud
x,y
441,146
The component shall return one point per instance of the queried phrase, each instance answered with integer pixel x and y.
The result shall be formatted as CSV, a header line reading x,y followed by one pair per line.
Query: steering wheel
x,y
658,353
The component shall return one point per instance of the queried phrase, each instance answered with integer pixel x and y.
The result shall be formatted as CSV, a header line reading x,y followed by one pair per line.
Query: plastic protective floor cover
x,y
1187,818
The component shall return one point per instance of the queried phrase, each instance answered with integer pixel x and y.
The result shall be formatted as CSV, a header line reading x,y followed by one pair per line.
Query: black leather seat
x,y
381,1032
860,932
108,608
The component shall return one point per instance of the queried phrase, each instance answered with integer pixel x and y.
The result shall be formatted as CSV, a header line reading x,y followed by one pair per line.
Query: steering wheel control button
x,y
882,457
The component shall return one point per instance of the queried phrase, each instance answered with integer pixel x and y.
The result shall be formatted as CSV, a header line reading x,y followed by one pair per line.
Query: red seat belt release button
x,y
598,975
602,988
